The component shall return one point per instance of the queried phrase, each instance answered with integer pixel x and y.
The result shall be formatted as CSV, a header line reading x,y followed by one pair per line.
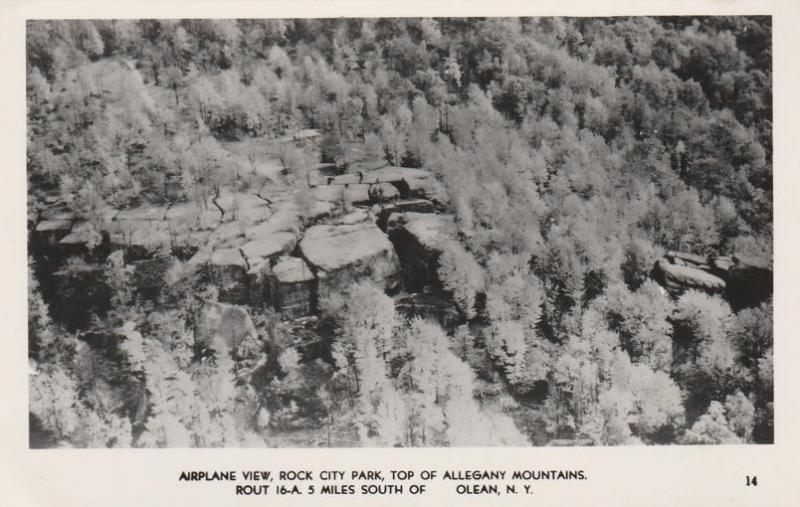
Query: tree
x,y
461,275
295,161
367,322
190,405
751,332
641,319
711,428
54,401
741,415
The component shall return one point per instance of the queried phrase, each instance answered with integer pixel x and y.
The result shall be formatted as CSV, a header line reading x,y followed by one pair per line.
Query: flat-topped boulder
x,y
261,251
356,194
722,264
396,174
83,235
246,208
269,228
228,257
328,193
341,254
321,209
57,211
414,205
228,234
675,277
51,231
60,226
687,259
292,286
54,225
285,217
357,216
142,213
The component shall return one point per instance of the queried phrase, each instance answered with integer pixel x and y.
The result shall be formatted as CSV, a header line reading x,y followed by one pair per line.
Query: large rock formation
x,y
419,240
744,281
675,277
292,286
687,259
342,254
254,246
51,231
415,205
261,252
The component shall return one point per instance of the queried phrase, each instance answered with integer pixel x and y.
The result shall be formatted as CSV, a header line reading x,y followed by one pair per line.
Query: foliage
x,y
571,152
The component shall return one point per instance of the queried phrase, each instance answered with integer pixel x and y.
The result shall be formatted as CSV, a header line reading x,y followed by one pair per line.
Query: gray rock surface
x,y
675,277
292,286
342,254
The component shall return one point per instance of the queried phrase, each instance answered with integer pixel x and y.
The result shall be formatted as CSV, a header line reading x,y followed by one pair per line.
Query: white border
x,y
633,476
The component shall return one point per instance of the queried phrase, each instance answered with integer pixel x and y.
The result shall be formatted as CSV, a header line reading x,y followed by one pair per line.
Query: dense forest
x,y
400,232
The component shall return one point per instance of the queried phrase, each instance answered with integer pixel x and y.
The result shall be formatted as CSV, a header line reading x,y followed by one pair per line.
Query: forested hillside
x,y
400,232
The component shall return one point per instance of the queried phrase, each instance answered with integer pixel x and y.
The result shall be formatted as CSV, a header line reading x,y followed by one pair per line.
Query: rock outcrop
x,y
267,246
687,259
382,185
51,231
260,253
744,281
676,277
414,205
341,254
292,286
419,240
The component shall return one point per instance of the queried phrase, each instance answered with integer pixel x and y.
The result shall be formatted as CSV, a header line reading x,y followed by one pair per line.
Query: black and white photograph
x,y
399,232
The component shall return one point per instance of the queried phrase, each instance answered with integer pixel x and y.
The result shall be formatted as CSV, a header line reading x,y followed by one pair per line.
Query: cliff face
x,y
293,287
340,254
419,239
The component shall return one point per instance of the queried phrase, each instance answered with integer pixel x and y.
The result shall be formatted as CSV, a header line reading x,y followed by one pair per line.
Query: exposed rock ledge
x,y
419,239
744,281
340,254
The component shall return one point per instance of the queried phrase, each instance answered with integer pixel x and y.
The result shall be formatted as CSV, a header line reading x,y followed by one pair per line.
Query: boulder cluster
x,y
276,250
